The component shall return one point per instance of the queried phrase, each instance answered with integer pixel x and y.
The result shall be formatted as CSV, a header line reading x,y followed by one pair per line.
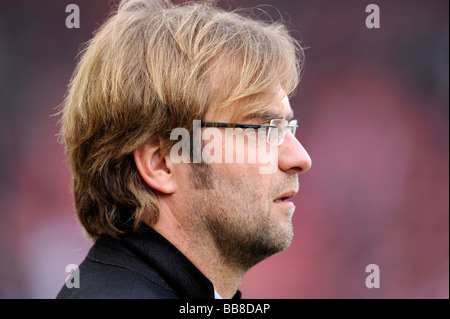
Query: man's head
x,y
153,67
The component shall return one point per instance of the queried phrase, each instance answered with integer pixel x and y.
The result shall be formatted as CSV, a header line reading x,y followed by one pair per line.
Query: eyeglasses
x,y
276,129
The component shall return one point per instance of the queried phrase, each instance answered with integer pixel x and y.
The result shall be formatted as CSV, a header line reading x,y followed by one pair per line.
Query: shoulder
x,y
110,272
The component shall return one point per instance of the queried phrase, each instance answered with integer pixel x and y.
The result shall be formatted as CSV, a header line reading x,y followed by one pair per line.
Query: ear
x,y
155,168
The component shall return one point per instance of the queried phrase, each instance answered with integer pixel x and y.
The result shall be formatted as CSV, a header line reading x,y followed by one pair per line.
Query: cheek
x,y
246,182
247,167
238,146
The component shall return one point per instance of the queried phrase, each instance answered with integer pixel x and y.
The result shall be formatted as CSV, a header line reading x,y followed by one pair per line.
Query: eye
x,y
280,124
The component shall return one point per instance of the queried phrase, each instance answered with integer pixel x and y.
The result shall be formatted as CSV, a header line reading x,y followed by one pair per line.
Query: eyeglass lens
x,y
275,136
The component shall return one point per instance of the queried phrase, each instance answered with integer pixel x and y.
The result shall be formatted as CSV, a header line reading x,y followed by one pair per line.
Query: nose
x,y
292,156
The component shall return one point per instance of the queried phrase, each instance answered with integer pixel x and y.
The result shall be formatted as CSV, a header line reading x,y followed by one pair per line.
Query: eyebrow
x,y
269,115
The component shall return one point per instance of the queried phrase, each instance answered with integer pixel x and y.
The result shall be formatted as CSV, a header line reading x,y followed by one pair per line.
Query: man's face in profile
x,y
247,214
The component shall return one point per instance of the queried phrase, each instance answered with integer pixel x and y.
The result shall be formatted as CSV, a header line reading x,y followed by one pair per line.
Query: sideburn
x,y
202,173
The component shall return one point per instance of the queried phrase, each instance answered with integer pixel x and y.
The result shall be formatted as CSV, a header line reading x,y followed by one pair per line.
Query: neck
x,y
201,250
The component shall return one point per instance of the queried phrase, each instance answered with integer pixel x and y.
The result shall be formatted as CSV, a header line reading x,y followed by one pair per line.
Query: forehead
x,y
283,109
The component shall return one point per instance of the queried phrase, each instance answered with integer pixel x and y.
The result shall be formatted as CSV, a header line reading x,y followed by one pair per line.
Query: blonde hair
x,y
151,67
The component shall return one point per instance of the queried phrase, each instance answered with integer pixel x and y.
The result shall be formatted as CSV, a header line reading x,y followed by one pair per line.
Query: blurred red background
x,y
374,116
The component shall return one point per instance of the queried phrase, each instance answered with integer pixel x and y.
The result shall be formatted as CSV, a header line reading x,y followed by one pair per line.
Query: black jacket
x,y
144,265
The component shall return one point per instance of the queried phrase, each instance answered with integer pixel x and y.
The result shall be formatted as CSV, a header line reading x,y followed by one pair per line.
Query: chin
x,y
286,234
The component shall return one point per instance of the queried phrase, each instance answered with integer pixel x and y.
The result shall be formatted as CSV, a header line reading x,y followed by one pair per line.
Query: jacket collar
x,y
173,266
158,254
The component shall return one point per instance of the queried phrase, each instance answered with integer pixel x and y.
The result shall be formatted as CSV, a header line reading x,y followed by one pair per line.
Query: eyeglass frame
x,y
287,124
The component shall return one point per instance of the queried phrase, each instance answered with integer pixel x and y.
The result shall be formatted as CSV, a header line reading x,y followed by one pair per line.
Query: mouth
x,y
285,198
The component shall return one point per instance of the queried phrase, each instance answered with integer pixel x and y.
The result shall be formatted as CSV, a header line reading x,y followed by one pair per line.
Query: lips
x,y
286,196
